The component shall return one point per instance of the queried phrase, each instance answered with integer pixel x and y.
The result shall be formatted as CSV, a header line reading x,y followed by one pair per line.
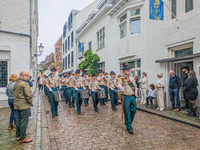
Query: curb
x,y
44,128
171,118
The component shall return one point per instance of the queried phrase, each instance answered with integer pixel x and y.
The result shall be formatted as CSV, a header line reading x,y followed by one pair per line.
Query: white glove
x,y
93,90
111,88
84,88
102,76
60,87
76,89
70,77
102,89
50,90
116,77
122,88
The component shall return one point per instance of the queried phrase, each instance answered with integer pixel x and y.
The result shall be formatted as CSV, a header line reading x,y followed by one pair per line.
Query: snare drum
x,y
101,94
84,94
58,96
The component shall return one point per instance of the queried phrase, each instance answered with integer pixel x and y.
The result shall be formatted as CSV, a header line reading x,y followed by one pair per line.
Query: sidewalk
x,y
8,137
171,114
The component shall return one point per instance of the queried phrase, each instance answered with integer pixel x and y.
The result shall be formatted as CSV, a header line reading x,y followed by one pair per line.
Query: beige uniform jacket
x,y
102,82
86,82
53,82
78,82
94,85
127,89
22,94
70,83
65,81
111,81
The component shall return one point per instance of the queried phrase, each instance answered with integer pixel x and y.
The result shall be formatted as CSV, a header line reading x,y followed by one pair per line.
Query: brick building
x,y
58,50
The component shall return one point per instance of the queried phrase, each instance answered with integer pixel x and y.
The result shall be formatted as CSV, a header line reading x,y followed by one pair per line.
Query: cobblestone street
x,y
8,137
102,130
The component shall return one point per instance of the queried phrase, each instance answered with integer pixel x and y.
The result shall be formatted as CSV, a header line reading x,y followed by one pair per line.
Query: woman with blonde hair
x,y
191,91
143,87
160,92
10,94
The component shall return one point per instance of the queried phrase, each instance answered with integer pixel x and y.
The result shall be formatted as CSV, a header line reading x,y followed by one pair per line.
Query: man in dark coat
x,y
186,71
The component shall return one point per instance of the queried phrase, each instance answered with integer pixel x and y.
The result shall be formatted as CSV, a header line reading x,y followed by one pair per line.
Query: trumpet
x,y
89,76
73,74
106,74
119,76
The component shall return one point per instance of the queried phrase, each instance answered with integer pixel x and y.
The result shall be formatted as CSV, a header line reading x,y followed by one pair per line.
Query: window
x,y
123,18
72,39
65,46
66,62
101,38
69,61
132,64
184,52
135,12
123,30
63,64
70,22
173,8
101,66
68,42
72,59
188,5
139,63
3,73
135,25
90,45
82,48
64,31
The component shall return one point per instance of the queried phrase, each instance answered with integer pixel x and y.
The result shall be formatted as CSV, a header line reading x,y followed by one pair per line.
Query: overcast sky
x,y
52,16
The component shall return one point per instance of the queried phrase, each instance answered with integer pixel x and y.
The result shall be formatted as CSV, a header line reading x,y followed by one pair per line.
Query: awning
x,y
178,58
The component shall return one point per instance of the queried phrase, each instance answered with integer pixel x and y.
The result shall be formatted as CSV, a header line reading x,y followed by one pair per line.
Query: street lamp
x,y
41,48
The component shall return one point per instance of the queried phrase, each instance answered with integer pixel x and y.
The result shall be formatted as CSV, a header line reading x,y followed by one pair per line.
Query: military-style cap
x,y
70,72
78,71
54,69
126,67
65,75
94,74
186,67
112,73
101,71
85,73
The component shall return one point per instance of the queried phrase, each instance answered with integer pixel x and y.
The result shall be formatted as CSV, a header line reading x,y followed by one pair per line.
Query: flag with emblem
x,y
156,9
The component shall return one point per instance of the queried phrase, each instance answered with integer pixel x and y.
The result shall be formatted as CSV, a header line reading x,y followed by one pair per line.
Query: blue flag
x,y
79,46
156,9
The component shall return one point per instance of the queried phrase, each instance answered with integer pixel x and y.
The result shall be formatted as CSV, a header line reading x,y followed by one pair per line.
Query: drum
x,y
84,94
101,94
58,96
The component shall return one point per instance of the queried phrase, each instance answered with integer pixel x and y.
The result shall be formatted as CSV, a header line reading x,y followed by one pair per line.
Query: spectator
x,y
174,86
138,86
190,88
151,95
22,103
31,85
40,83
186,71
10,94
143,87
160,92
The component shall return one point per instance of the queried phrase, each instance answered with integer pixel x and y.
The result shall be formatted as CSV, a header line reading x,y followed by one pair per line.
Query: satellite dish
x,y
47,72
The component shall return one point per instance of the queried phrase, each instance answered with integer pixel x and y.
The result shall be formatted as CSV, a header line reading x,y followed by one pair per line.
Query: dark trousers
x,y
106,90
130,109
29,112
78,100
113,97
54,105
64,89
174,93
40,87
13,114
102,100
22,122
71,96
95,100
149,98
186,100
87,99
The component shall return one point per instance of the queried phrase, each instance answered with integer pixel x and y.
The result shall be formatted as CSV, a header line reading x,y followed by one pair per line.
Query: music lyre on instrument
x,y
122,78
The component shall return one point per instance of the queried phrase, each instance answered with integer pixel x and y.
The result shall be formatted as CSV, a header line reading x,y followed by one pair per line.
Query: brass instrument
x,y
89,76
73,74
119,76
106,75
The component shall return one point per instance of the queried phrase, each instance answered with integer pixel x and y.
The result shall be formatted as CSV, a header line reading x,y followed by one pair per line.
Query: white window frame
x,y
134,17
101,38
136,69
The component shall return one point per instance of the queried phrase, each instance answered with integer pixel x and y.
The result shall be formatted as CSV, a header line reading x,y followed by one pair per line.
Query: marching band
x,y
80,88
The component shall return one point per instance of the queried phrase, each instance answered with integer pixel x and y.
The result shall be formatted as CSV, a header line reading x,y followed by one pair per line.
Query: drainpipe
x,y
30,35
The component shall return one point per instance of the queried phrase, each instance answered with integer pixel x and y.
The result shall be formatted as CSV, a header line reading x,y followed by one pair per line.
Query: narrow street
x,y
102,130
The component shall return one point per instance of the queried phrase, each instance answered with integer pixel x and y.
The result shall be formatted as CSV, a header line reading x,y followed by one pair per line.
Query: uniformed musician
x,y
112,85
53,84
77,84
64,87
94,87
130,92
70,89
102,82
86,81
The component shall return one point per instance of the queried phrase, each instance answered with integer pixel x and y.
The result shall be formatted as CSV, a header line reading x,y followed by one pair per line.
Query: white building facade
x,y
122,33
18,40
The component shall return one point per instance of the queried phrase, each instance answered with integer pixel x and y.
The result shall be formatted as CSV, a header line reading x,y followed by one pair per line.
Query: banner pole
x,y
170,11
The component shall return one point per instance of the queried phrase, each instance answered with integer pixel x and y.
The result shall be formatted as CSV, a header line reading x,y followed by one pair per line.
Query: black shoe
x,y
66,102
70,106
117,103
192,115
53,115
114,109
73,106
146,105
151,106
96,110
101,104
79,112
104,104
130,131
57,114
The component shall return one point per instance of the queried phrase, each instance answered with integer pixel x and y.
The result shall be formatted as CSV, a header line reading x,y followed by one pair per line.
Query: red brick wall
x,y
58,50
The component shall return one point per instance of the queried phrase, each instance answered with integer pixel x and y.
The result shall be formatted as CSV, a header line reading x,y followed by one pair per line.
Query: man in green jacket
x,y
22,103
